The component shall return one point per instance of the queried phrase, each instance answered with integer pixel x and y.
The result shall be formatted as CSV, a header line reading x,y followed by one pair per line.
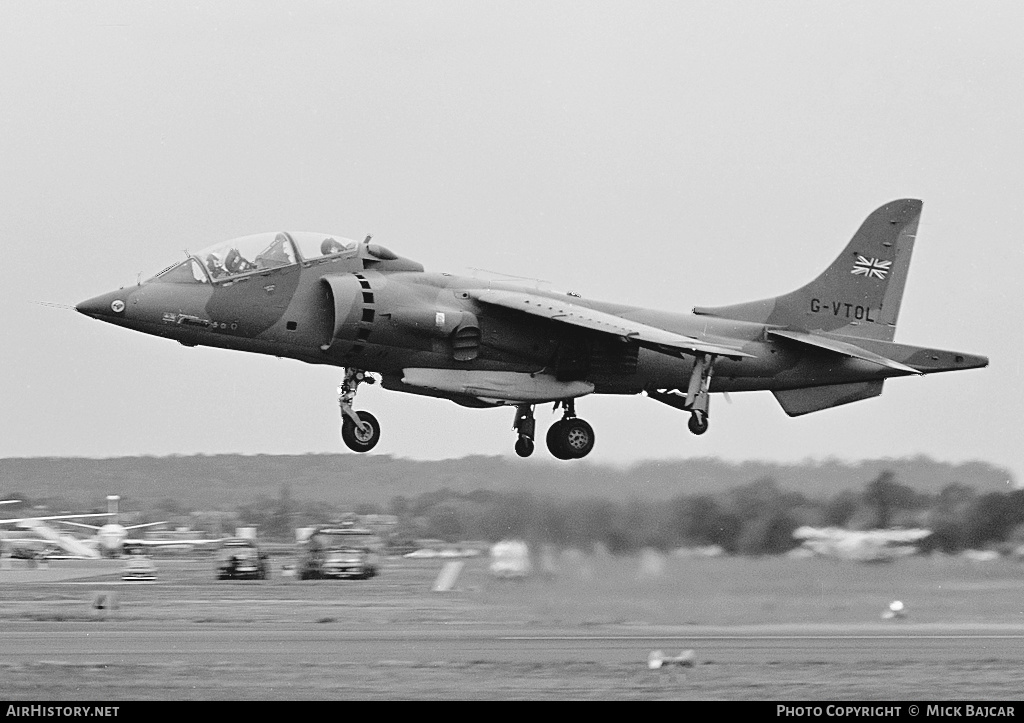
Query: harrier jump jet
x,y
323,299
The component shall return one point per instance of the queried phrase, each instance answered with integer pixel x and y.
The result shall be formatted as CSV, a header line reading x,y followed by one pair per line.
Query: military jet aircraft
x,y
323,299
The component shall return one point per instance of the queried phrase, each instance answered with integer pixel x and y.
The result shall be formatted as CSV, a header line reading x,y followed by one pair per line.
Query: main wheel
x,y
360,440
556,442
698,423
577,438
524,446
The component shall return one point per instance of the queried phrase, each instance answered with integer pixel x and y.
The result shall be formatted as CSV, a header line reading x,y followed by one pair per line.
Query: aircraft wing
x,y
141,542
841,347
586,318
18,520
81,524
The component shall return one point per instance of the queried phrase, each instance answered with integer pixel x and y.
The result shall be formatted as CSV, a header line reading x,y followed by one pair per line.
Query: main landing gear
x,y
359,430
568,438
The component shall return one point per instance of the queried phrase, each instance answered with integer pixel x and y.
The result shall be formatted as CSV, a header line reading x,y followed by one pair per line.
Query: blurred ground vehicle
x,y
510,558
340,551
138,565
240,558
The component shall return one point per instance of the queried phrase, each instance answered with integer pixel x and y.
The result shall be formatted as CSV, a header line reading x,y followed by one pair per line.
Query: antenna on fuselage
x,y
368,237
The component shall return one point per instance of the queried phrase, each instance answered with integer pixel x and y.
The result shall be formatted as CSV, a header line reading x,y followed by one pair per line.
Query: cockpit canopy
x,y
263,251
258,252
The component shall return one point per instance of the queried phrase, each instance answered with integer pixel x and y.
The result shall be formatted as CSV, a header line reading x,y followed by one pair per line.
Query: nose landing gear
x,y
359,430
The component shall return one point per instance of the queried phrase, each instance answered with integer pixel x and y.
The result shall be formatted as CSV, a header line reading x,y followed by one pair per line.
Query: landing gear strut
x,y
696,400
697,397
570,437
359,430
525,424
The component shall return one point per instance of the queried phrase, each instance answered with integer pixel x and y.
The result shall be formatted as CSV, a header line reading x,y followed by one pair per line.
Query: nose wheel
x,y
359,430
362,437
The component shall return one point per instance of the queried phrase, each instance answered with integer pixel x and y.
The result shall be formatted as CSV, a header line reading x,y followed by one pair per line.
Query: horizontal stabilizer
x,y
842,347
587,318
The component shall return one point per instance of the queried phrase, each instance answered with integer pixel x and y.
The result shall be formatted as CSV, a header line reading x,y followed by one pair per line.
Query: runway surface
x,y
211,645
188,636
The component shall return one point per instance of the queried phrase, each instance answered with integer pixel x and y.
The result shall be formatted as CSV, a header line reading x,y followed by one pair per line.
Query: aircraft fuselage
x,y
393,324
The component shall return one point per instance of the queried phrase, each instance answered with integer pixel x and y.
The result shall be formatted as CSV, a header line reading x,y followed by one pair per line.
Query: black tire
x,y
524,446
555,440
697,425
357,440
577,438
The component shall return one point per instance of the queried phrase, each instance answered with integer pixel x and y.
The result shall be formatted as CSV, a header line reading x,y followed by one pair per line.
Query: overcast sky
x,y
663,154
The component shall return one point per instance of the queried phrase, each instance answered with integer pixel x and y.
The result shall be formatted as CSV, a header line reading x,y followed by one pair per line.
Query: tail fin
x,y
859,294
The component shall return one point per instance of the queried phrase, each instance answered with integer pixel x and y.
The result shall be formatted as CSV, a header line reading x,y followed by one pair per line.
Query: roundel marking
x,y
117,306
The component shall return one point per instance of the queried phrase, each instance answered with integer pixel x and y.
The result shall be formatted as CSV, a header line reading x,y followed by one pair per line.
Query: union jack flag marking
x,y
871,268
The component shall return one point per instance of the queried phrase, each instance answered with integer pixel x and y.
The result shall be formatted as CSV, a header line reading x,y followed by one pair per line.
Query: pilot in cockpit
x,y
331,246
214,266
235,263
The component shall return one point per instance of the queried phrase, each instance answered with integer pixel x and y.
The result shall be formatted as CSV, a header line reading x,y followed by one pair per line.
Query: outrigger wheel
x,y
698,423
360,438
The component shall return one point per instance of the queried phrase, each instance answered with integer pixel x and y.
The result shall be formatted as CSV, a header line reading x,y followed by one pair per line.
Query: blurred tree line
x,y
752,519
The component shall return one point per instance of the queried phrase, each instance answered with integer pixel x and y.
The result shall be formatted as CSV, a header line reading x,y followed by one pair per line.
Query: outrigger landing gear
x,y
697,397
696,400
525,424
359,430
570,437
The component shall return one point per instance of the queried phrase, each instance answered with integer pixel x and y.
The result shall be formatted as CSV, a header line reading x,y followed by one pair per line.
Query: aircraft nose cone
x,y
105,305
